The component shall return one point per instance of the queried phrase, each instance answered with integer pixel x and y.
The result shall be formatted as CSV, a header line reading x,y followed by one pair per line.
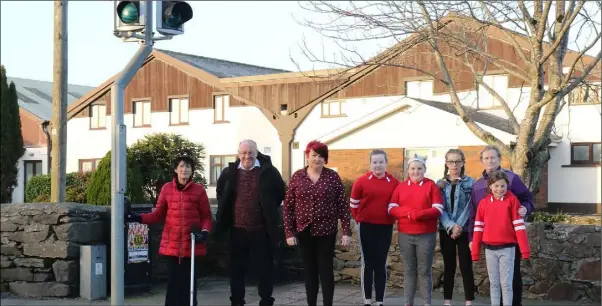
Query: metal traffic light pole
x,y
118,158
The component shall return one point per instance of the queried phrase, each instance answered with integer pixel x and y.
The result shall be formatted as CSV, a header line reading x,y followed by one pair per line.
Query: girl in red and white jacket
x,y
499,227
416,204
369,200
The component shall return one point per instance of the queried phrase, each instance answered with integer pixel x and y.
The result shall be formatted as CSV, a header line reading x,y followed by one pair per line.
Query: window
x,y
434,158
585,153
178,111
142,113
585,94
332,108
221,103
98,116
32,168
419,89
499,83
218,163
88,165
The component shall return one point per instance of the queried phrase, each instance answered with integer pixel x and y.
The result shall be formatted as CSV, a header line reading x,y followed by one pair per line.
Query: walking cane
x,y
192,242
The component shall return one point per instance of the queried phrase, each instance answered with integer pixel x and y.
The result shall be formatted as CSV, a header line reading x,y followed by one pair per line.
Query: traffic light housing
x,y
129,16
170,17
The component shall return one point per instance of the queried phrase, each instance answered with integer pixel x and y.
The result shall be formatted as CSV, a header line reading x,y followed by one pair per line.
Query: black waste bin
x,y
138,265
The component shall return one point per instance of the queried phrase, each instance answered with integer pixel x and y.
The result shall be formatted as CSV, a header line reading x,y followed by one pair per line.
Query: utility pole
x,y
59,104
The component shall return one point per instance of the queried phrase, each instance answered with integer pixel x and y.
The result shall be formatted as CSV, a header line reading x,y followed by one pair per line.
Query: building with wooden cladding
x,y
218,103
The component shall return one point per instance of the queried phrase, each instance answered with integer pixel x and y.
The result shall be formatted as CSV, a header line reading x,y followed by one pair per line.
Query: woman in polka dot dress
x,y
314,202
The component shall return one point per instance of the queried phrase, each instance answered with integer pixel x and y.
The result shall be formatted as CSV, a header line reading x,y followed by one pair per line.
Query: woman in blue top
x,y
456,189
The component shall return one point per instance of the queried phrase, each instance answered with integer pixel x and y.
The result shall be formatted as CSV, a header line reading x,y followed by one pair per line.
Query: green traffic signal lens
x,y
129,14
173,21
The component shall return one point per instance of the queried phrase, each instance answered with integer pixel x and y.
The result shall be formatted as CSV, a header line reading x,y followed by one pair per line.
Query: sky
x,y
260,33
264,33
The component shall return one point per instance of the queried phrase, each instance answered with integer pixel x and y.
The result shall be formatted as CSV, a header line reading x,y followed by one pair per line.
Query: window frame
x,y
170,107
223,164
590,161
92,118
578,93
143,101
94,162
329,102
224,117
34,162
495,104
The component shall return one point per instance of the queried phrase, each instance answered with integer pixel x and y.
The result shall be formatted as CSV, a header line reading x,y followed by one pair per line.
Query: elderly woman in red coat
x,y
184,206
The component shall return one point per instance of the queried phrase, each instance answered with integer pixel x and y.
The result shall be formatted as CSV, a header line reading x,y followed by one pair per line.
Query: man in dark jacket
x,y
249,193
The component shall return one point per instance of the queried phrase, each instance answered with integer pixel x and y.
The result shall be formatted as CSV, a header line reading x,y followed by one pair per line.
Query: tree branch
x,y
558,37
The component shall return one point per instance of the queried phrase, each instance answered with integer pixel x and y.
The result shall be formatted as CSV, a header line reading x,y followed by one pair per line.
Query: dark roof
x,y
36,96
479,117
221,68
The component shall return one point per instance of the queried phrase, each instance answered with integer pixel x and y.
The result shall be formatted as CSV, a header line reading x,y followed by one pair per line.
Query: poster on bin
x,y
137,242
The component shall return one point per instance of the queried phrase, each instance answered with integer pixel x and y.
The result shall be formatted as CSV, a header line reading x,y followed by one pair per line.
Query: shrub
x,y
38,188
155,154
559,216
348,184
99,189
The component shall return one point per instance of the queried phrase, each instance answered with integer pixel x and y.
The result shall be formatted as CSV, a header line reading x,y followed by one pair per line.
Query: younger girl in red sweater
x,y
499,226
416,204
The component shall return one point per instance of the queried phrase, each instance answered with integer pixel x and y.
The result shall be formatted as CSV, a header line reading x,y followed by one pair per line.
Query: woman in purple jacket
x,y
491,158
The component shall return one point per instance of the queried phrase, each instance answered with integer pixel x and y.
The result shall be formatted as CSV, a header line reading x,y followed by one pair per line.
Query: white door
x,y
435,160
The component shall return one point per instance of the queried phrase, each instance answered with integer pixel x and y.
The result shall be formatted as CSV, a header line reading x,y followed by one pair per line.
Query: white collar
x,y
255,165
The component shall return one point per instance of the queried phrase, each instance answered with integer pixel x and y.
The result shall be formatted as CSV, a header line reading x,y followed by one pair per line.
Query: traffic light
x,y
171,16
129,16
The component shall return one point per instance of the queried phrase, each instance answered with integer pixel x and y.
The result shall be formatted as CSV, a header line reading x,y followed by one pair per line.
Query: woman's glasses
x,y
454,162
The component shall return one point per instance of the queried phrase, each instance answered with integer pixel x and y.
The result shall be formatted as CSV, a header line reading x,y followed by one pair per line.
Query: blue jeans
x,y
500,267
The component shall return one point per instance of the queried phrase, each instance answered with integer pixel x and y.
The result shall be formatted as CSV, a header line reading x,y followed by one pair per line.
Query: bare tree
x,y
455,41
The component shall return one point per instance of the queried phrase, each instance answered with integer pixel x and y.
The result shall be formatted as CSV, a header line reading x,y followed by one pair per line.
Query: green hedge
x,y
99,189
38,188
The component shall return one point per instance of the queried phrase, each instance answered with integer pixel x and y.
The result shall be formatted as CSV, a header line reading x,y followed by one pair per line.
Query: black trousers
x,y
318,256
375,240
449,248
178,283
517,281
243,244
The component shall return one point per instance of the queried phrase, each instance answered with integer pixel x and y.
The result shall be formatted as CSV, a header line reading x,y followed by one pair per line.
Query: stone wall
x,y
564,264
40,246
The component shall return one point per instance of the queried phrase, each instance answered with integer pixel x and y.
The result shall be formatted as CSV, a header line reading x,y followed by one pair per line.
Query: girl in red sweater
x,y
370,196
499,226
416,204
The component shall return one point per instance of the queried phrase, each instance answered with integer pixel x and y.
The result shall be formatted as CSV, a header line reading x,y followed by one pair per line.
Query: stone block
x,y
30,237
48,289
6,262
563,292
348,256
80,232
32,262
58,249
66,271
8,227
50,219
10,250
43,277
338,264
17,274
353,272
588,270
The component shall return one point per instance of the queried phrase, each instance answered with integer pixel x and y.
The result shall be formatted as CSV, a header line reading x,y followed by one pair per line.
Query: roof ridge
x,y
222,60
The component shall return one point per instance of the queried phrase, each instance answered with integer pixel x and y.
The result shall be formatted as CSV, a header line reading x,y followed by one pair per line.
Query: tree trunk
x,y
530,171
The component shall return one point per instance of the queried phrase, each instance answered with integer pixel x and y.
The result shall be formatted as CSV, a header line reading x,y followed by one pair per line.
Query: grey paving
x,y
216,292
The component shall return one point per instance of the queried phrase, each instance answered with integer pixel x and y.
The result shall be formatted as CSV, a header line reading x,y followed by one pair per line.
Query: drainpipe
x,y
45,125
